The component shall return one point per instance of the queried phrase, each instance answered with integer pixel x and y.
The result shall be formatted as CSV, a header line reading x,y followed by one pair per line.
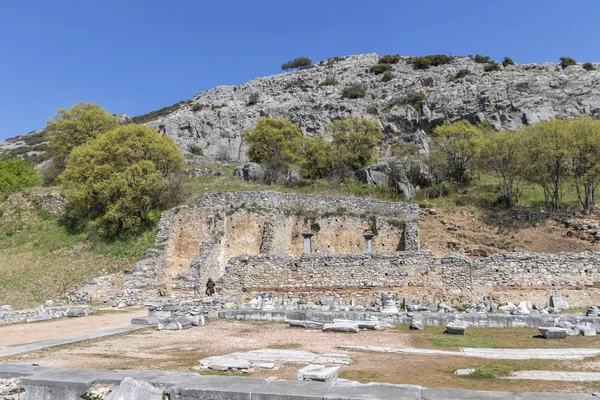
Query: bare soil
x,y
18,334
181,351
479,233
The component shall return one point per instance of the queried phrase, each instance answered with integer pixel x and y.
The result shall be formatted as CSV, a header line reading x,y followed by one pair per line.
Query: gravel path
x,y
19,334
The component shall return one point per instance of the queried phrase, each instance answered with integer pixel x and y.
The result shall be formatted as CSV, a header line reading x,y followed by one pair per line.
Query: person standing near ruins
x,y
210,287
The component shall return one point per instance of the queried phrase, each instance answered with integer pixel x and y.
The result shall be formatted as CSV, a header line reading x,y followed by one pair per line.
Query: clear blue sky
x,y
135,56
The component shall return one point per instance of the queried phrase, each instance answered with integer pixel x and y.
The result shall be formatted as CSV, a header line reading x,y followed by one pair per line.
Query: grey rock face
x,y
215,119
507,99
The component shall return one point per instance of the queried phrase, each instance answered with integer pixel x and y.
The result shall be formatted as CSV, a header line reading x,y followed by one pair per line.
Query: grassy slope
x,y
40,259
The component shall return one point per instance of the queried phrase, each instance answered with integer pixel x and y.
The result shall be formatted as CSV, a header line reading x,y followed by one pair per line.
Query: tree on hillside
x,y
274,143
74,126
119,181
502,153
584,155
15,173
297,63
548,163
459,143
317,158
354,143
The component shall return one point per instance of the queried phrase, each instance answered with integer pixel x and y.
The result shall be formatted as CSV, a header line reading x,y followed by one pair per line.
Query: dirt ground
x,y
14,335
182,350
478,233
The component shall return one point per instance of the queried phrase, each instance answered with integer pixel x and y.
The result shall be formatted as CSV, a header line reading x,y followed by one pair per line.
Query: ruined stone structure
x,y
197,242
310,247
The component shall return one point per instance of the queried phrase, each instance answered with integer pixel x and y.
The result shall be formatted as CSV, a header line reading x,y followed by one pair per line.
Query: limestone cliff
x,y
514,96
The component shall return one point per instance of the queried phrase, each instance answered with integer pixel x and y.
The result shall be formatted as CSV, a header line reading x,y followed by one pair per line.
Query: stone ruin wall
x,y
421,275
253,242
196,242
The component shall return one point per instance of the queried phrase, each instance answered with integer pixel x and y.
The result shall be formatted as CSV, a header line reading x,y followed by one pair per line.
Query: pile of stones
x,y
169,315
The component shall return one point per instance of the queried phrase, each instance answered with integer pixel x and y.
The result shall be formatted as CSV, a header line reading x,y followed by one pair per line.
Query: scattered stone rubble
x,y
269,359
169,315
43,313
10,389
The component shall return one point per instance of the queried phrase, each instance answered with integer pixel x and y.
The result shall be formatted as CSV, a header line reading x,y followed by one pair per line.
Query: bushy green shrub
x,y
328,82
461,73
389,59
507,61
329,62
274,143
253,99
199,107
431,60
416,100
15,173
567,62
588,66
387,76
297,63
378,69
482,59
195,150
491,67
354,91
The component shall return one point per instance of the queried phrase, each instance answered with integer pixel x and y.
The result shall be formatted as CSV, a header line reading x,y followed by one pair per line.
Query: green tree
x,y
274,143
119,181
74,126
317,158
15,173
585,153
503,154
458,143
354,143
548,162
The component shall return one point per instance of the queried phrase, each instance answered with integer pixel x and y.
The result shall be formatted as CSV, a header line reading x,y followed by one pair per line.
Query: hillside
x,y
408,105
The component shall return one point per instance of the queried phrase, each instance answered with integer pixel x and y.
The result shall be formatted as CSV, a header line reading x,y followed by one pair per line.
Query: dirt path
x,y
14,335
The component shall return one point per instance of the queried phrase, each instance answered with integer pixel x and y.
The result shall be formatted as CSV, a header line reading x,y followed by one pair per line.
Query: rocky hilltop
x,y
409,105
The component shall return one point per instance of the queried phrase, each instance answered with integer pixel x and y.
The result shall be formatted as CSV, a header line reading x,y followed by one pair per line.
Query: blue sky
x,y
136,56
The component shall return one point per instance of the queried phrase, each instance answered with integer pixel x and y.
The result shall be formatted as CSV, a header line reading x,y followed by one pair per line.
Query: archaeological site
x,y
363,227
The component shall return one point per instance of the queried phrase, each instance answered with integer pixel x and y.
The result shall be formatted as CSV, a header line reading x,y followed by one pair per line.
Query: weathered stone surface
x,y
173,323
558,302
75,312
464,372
306,324
131,389
553,333
349,328
456,328
319,373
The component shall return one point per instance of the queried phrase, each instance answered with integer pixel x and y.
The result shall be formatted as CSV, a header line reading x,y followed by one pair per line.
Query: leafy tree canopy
x,y
74,126
119,181
15,173
274,143
354,142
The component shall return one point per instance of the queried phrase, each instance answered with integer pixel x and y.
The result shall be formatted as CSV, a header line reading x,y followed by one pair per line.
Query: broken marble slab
x,y
257,358
456,328
319,373
550,332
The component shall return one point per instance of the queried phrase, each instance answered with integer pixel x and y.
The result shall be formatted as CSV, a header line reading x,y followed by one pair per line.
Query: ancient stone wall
x,y
456,278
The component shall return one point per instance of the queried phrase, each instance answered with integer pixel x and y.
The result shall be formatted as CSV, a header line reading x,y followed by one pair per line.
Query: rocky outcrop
x,y
215,120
